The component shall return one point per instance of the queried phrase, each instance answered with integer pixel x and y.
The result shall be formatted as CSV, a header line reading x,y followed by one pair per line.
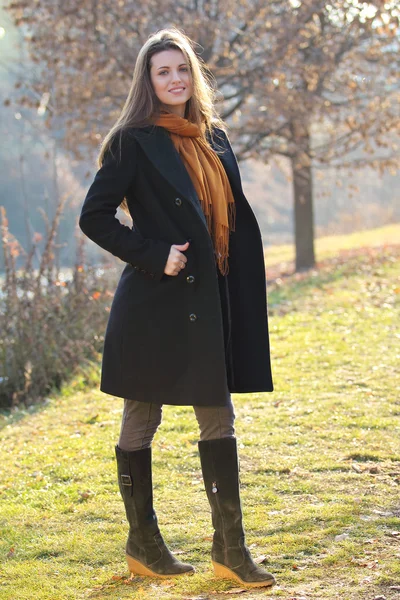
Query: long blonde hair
x,y
142,104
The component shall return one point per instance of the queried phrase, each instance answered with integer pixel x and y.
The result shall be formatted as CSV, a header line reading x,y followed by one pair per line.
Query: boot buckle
x,y
126,480
214,488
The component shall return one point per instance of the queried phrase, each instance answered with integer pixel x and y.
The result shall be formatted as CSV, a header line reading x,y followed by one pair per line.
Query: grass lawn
x,y
320,462
330,245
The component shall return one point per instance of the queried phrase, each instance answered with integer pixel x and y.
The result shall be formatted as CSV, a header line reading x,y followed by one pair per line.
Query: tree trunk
x,y
303,199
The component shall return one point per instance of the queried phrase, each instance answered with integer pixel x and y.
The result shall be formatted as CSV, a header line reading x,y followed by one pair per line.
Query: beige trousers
x,y
140,421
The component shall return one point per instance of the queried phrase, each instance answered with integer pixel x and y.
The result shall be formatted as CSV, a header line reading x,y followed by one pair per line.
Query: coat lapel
x,y
160,150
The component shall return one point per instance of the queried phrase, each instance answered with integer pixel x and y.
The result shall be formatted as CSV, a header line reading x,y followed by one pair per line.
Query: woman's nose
x,y
176,78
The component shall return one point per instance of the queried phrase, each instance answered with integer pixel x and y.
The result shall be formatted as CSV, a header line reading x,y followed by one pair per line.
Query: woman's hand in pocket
x,y
176,259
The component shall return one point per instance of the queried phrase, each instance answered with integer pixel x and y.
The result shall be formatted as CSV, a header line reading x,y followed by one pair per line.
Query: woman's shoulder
x,y
126,138
135,131
218,131
219,139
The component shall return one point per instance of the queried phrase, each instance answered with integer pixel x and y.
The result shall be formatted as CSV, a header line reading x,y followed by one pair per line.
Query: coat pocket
x,y
141,288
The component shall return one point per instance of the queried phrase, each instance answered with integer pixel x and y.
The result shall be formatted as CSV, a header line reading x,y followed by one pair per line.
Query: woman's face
x,y
171,80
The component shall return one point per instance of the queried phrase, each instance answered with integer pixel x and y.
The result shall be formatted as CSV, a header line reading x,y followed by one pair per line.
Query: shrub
x,y
51,326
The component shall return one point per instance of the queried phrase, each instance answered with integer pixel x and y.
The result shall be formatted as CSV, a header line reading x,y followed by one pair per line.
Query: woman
x,y
188,323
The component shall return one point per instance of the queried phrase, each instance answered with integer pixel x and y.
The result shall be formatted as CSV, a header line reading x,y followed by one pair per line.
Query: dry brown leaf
x,y
298,568
235,591
260,559
84,495
356,468
341,537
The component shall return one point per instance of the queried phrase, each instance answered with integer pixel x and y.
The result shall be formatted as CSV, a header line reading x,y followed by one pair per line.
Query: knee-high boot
x,y
146,551
230,556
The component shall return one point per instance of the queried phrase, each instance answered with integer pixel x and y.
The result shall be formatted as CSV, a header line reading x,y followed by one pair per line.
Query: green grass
x,y
320,457
328,246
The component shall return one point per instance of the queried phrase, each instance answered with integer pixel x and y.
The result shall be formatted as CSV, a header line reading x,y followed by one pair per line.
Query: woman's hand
x,y
176,260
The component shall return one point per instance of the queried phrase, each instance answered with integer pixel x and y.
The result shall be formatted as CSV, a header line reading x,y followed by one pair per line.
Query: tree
x,y
335,96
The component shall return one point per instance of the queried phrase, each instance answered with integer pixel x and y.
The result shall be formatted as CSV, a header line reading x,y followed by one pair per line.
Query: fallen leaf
x,y
341,536
11,553
395,587
235,591
260,559
372,565
383,513
356,468
366,565
176,552
117,577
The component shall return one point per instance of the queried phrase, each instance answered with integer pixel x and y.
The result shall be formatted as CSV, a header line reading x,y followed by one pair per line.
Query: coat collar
x,y
158,147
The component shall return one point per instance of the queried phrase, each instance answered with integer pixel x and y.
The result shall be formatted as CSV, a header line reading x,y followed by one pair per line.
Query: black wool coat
x,y
188,339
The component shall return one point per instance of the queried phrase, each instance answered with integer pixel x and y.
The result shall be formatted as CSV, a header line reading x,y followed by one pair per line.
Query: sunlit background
x,y
309,92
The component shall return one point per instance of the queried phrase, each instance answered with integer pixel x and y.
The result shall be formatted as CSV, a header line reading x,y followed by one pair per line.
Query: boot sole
x,y
225,573
137,568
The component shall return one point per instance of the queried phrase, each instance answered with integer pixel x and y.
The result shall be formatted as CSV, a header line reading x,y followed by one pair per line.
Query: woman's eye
x,y
185,69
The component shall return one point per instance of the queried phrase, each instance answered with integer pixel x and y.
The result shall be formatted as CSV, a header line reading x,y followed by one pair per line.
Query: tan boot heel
x,y
225,573
137,568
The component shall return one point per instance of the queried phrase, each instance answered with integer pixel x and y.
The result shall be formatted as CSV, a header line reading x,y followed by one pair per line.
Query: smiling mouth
x,y
180,89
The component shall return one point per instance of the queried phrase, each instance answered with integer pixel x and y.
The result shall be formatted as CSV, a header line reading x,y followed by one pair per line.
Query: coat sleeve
x,y
98,220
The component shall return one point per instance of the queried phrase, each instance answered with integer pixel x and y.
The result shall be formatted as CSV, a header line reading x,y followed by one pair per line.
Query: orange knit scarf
x,y
209,179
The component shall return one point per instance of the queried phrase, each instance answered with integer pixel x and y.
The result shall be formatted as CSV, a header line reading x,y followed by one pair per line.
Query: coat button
x,y
190,278
178,201
192,317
